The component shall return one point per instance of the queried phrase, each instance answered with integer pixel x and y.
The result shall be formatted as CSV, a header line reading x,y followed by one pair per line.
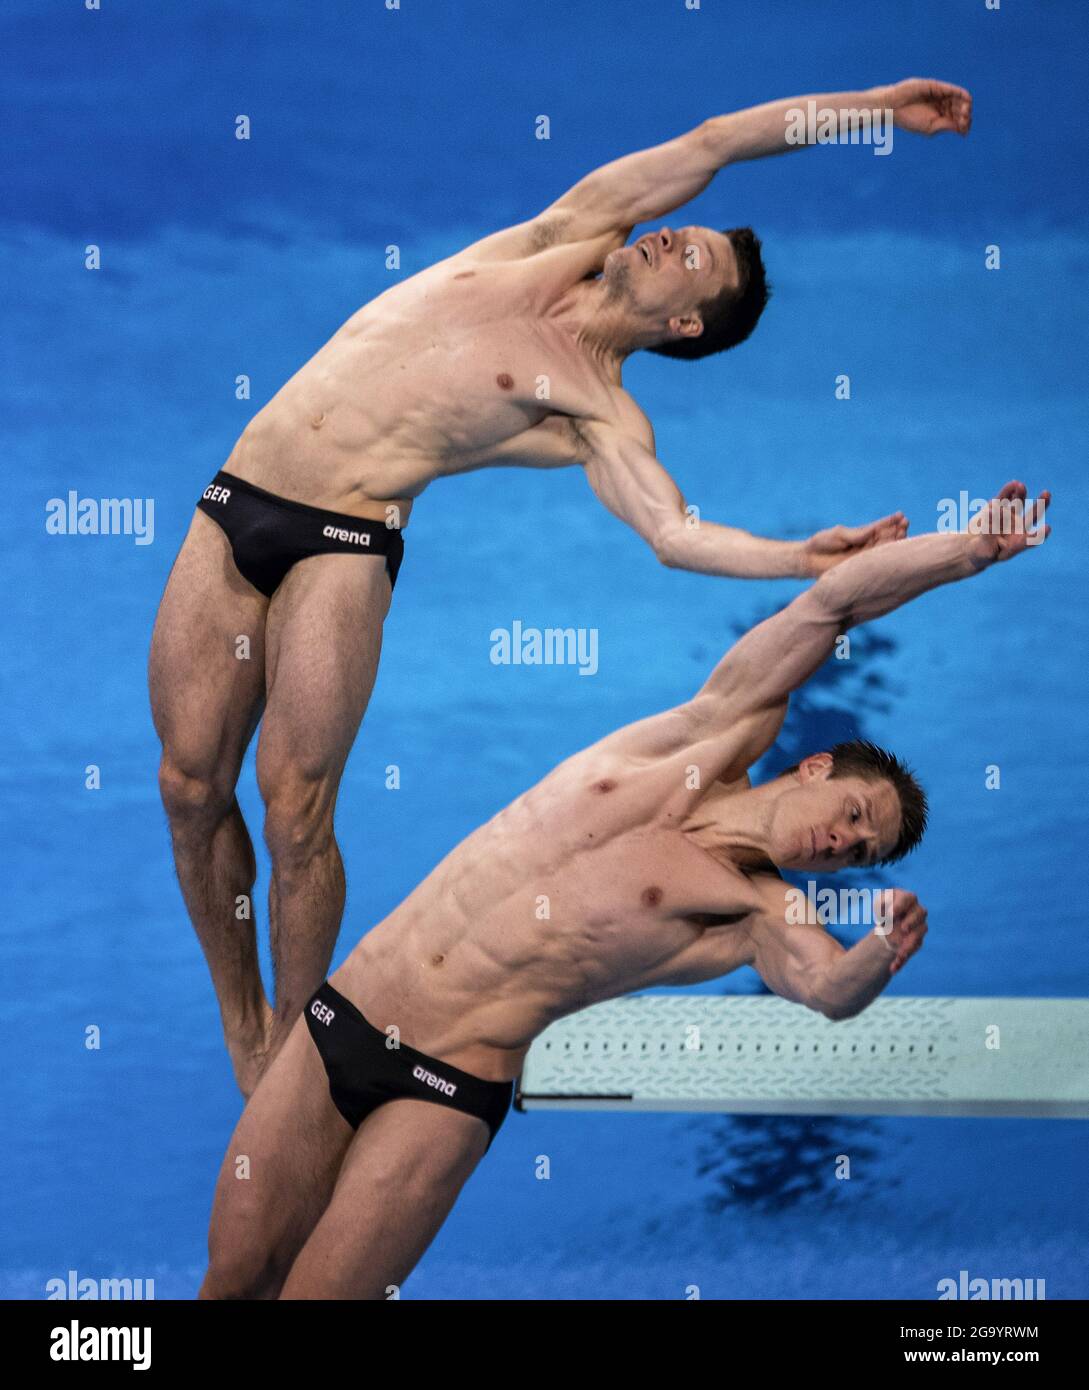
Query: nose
x,y
665,236
843,841
840,841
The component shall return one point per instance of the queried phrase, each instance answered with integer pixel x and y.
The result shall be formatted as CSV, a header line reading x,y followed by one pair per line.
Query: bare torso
x,y
460,367
582,889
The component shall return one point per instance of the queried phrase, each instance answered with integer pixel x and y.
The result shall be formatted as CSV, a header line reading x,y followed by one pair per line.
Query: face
x,y
668,274
821,824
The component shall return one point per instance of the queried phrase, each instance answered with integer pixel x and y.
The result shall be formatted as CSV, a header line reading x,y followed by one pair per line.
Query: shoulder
x,y
633,419
619,414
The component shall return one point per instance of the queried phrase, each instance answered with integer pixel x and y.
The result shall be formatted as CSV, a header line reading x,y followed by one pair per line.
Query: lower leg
x,y
306,904
216,869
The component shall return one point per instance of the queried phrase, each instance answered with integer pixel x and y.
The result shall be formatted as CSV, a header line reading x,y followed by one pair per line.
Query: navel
x,y
317,421
505,381
465,275
651,897
437,960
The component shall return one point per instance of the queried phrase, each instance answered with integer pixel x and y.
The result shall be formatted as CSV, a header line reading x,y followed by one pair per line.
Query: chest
x,y
474,361
650,885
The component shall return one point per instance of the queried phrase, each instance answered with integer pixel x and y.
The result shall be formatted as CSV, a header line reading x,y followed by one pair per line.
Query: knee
x,y
298,821
239,1266
192,795
234,1277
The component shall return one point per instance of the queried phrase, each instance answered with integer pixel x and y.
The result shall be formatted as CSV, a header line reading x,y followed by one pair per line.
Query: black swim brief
x,y
269,534
364,1072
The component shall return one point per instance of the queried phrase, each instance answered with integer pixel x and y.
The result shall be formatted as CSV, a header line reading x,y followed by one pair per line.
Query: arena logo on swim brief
x,y
955,514
826,125
550,646
436,1082
105,516
964,1287
338,533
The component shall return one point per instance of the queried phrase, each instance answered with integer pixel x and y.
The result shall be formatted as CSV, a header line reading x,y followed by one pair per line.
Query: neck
x,y
601,325
734,825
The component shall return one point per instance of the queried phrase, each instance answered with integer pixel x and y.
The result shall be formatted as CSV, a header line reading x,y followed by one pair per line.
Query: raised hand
x,y
903,928
831,547
1007,525
927,107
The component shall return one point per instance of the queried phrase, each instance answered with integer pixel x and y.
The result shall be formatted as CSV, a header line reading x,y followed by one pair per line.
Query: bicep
x,y
640,185
792,958
631,483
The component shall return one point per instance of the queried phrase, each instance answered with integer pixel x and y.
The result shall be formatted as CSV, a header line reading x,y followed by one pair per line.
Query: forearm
x,y
767,130
877,581
711,548
781,653
854,979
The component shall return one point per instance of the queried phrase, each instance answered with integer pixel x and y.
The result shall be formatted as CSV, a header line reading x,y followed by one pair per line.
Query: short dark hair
x,y
732,314
860,758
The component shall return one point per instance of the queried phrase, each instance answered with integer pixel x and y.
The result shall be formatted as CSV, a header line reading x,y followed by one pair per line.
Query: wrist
x,y
885,938
802,561
981,552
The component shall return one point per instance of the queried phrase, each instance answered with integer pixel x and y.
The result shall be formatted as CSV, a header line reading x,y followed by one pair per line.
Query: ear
x,y
817,767
688,326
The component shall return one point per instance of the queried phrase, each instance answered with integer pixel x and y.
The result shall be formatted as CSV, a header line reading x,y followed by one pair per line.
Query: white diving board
x,y
755,1054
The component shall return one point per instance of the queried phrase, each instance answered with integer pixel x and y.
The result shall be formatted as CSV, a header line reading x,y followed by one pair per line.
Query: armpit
x,y
548,229
576,438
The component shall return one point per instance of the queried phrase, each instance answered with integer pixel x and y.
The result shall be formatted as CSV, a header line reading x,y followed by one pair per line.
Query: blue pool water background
x,y
220,257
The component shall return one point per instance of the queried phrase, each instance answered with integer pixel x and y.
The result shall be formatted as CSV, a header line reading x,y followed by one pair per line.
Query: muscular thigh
x,y
207,683
401,1176
279,1171
324,638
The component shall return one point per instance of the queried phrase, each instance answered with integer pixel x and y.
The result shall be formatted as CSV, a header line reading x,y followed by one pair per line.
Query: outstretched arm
x,y
650,183
627,477
735,717
779,655
919,104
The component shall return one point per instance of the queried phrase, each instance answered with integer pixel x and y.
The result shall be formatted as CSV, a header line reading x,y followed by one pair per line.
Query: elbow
x,y
717,138
836,1013
831,597
822,998
669,547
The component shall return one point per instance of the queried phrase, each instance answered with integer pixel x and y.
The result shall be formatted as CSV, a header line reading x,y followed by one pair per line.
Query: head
x,y
856,806
692,292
